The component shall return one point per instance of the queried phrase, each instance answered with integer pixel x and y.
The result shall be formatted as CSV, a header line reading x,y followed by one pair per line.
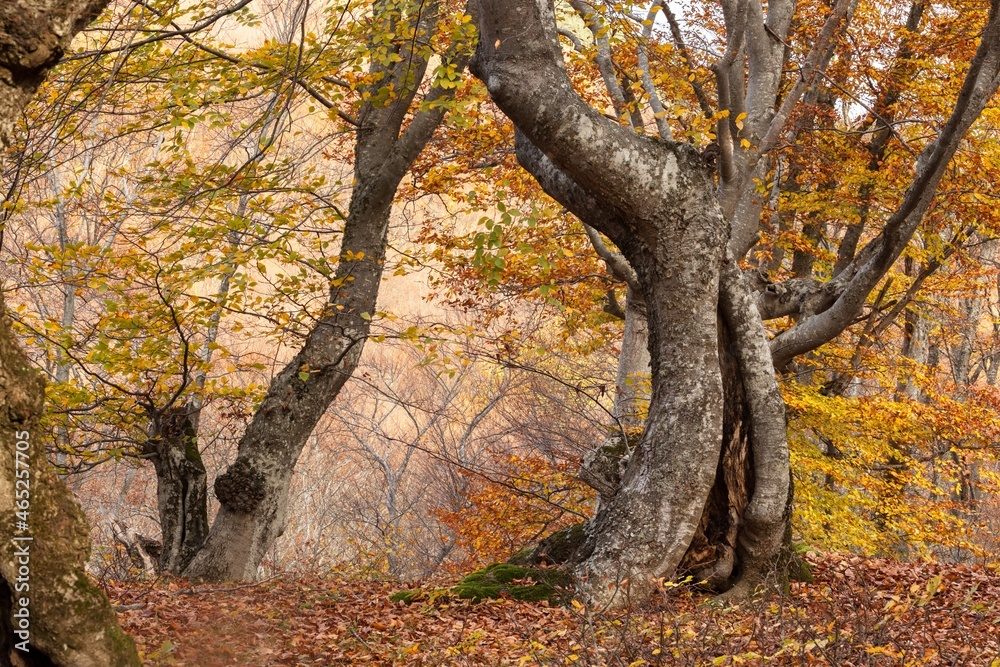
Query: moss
x,y
191,452
525,556
527,584
562,545
557,549
616,446
407,596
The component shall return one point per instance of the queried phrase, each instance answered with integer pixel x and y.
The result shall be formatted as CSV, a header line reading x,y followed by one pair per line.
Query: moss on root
x,y
521,583
525,584
799,568
559,548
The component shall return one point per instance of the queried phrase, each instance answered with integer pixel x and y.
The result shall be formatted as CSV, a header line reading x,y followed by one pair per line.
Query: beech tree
x,y
711,470
402,103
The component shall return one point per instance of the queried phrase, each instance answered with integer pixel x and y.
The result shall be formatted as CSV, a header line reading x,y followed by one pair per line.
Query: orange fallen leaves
x,y
857,612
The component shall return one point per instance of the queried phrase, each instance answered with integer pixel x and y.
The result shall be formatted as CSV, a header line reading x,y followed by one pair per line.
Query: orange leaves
x,y
857,612
530,498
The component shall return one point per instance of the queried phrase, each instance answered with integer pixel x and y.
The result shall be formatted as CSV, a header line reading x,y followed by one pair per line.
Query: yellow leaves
x,y
932,587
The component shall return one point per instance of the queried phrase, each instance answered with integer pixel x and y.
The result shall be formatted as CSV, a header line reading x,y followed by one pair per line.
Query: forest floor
x,y
856,612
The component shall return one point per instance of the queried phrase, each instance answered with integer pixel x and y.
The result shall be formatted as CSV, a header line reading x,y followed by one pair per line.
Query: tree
x,y
715,403
397,114
69,621
106,191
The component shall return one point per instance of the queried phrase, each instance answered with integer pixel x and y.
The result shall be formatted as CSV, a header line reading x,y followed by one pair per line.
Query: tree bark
x,y
253,492
656,202
181,489
69,620
633,363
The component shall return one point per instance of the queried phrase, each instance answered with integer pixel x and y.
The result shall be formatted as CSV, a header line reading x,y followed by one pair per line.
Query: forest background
x,y
175,202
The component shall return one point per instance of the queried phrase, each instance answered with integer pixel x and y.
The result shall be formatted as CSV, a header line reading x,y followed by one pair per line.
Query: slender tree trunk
x,y
602,468
46,600
633,364
253,492
181,490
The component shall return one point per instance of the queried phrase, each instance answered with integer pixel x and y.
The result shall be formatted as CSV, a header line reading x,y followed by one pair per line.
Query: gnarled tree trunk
x,y
661,207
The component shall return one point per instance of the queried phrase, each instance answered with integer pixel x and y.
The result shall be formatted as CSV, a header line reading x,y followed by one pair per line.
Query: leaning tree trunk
x,y
50,613
253,492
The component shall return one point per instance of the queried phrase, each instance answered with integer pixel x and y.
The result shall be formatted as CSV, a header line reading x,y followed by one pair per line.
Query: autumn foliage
x,y
856,612
171,232
522,500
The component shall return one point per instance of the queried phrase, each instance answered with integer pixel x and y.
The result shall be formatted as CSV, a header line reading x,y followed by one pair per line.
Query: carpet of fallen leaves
x,y
856,612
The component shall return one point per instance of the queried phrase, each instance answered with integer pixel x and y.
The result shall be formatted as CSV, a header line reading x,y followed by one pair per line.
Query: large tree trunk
x,y
50,613
660,207
644,531
253,492
657,202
